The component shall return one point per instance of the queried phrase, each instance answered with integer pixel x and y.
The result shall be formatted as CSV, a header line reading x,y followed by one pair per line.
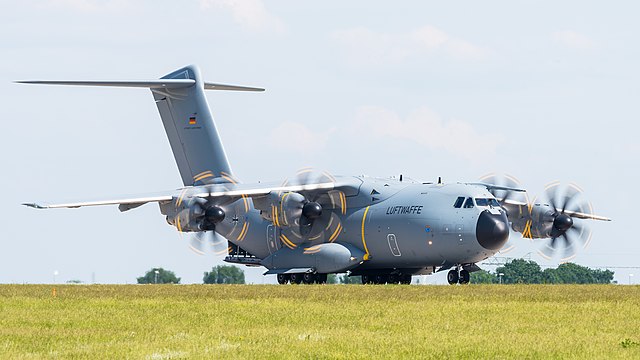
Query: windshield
x,y
487,202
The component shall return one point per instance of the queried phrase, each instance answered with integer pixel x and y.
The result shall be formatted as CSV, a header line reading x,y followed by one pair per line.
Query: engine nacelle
x,y
192,214
534,222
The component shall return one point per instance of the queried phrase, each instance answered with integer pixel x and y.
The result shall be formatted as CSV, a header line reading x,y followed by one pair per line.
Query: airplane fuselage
x,y
397,225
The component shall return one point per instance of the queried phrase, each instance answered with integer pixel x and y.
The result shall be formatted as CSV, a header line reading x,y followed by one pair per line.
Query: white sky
x,y
543,90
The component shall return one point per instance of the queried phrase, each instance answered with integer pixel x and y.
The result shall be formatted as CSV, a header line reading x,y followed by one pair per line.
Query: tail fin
x,y
187,121
192,133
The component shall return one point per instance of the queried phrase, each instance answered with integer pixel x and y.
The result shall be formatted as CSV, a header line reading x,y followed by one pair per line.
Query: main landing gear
x,y
458,276
307,278
380,279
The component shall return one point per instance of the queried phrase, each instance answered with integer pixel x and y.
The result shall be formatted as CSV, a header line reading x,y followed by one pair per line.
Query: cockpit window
x,y
482,202
487,202
468,204
458,203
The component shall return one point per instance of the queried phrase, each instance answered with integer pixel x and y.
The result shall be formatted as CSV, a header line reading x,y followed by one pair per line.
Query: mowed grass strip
x,y
319,321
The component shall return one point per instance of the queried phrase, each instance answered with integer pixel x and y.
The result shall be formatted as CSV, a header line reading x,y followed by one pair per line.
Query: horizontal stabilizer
x,y
212,86
151,84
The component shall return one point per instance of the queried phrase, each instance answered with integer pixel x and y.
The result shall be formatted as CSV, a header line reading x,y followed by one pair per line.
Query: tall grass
x,y
342,321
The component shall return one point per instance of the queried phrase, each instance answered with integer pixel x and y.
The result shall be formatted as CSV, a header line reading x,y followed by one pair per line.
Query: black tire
x,y
394,279
465,277
309,278
296,278
381,279
452,277
367,279
405,279
283,278
321,278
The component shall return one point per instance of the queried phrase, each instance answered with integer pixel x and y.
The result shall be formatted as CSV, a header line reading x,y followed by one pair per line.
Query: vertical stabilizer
x,y
192,133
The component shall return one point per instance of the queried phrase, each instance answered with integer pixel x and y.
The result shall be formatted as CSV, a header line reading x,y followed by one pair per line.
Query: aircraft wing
x,y
130,202
580,215
203,191
515,204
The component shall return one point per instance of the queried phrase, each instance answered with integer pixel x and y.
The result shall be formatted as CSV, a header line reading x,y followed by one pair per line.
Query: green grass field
x,y
319,321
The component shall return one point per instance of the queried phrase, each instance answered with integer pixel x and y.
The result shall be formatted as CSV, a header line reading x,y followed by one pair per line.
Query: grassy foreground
x,y
316,321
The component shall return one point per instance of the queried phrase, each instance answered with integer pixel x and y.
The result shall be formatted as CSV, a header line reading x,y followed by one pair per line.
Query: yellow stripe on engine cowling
x,y
335,234
246,203
287,242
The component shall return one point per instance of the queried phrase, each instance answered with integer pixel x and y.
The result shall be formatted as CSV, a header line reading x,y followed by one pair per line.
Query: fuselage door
x,y
393,245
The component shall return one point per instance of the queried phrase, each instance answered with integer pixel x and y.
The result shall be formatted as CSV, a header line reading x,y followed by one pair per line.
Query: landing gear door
x,y
273,241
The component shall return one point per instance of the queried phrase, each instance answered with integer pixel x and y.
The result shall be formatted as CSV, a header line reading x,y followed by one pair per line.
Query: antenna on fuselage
x,y
400,177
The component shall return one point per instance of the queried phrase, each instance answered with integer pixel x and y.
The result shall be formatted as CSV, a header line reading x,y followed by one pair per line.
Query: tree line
x,y
520,271
221,274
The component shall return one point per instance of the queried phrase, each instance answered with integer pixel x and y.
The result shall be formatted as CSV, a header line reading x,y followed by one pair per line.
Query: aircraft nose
x,y
492,230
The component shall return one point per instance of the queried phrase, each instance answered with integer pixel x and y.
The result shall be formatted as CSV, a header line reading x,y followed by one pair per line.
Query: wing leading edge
x,y
202,191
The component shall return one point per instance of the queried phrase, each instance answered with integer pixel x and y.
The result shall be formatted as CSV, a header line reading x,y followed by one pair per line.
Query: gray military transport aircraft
x,y
385,230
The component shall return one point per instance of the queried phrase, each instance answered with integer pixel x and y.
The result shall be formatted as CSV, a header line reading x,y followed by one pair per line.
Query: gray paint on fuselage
x,y
409,228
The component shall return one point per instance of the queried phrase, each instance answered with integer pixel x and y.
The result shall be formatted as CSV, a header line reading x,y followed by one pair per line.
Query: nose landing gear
x,y
458,276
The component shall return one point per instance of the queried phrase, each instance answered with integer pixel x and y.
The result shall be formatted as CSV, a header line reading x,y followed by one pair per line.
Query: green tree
x,y
159,276
332,279
346,279
570,273
602,276
520,271
483,277
224,274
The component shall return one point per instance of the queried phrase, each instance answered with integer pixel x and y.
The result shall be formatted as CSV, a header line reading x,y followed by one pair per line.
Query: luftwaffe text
x,y
402,210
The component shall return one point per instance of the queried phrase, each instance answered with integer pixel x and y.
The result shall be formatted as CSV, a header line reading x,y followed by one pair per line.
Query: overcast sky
x,y
542,90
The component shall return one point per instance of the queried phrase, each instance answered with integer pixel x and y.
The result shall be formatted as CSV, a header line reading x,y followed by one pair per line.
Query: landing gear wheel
x,y
321,278
394,279
452,277
381,279
405,279
309,278
465,277
296,278
367,279
283,278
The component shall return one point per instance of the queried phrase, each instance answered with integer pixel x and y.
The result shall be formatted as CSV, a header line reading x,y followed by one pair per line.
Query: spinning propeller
x,y
566,232
509,181
207,220
309,216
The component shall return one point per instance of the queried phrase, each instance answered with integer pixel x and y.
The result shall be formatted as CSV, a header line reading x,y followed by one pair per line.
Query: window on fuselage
x,y
482,202
469,203
487,202
458,203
